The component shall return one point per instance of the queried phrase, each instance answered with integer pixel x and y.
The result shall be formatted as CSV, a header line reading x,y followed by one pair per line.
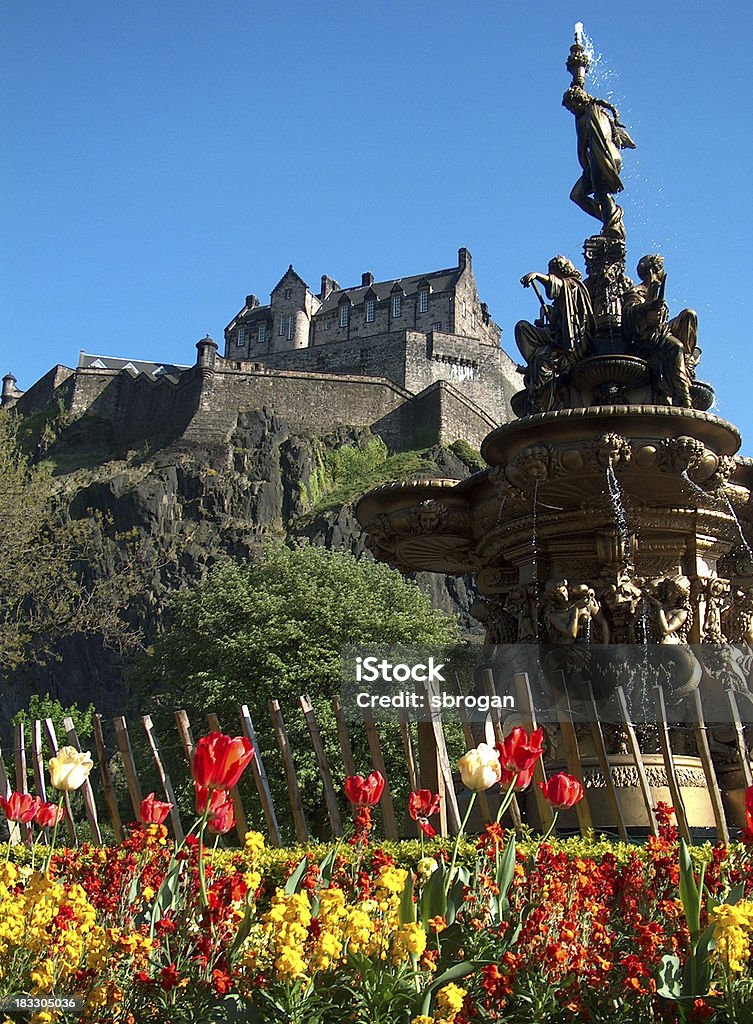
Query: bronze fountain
x,y
614,509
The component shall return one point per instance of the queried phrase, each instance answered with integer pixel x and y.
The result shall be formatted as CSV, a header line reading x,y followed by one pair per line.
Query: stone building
x,y
416,359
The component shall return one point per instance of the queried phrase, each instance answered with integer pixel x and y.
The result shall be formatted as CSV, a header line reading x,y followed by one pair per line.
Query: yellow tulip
x,y
480,768
70,768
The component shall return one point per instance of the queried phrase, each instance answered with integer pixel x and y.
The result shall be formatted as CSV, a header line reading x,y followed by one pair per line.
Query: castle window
x,y
473,320
370,310
241,337
344,314
464,308
262,333
423,300
437,326
397,304
291,328
288,293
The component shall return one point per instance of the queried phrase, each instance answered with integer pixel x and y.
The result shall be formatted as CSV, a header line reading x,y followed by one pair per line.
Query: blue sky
x,y
161,161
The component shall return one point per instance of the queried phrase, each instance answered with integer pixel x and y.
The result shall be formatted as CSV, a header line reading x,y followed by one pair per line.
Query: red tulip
x,y
749,799
153,812
364,792
562,791
215,798
220,760
48,815
519,751
522,779
421,806
221,818
20,807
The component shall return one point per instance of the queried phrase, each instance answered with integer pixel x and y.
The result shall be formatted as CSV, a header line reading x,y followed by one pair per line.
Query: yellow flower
x,y
426,867
70,768
422,1019
392,879
148,892
450,1002
290,962
254,844
733,926
480,768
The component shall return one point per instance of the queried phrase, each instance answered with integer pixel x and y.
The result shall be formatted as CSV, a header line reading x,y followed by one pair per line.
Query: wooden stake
x,y
330,796
90,806
527,710
167,786
702,743
385,804
261,780
343,737
648,800
108,789
291,776
669,765
129,765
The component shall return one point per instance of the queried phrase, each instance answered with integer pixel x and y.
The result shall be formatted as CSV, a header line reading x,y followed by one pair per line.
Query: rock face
x,y
179,509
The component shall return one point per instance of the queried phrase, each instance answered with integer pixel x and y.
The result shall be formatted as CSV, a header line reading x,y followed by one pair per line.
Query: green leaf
x,y
451,974
244,930
294,882
166,898
689,891
433,902
407,912
670,978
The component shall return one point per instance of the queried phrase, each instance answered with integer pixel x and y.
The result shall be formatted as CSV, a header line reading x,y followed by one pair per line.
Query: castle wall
x,y
46,390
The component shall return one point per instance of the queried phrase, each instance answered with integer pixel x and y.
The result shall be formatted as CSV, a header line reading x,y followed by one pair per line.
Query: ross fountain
x,y
615,502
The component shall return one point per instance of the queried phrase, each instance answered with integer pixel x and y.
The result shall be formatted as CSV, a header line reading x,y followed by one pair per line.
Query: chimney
x,y
367,279
464,258
251,302
10,392
328,286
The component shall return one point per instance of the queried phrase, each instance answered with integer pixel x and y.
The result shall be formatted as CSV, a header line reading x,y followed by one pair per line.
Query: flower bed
x,y
483,929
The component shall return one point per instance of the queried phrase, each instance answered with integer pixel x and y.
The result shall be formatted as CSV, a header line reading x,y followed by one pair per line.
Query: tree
x,y
51,579
276,629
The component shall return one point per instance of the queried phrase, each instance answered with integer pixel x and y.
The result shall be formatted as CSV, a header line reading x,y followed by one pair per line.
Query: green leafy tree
x,y
41,708
276,629
52,580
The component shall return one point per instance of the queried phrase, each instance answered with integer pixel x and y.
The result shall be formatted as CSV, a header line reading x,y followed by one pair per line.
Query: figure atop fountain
x,y
601,136
559,337
669,346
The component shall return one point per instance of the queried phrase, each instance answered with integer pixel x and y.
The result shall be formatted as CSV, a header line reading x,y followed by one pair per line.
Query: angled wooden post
x,y
704,752
597,734
87,792
167,786
108,788
343,736
430,777
444,768
186,736
49,728
385,804
410,755
37,759
330,796
524,700
572,756
291,776
241,824
740,744
14,834
261,780
22,786
126,752
635,750
486,679
669,764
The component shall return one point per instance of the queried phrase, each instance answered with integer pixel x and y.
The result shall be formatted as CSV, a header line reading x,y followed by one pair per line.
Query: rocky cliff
x,y
175,510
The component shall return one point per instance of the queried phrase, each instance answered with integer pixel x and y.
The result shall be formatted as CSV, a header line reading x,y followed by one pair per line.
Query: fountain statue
x,y
615,509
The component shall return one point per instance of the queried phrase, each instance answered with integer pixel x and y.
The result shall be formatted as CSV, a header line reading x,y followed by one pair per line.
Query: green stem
x,y
58,816
552,823
202,873
458,837
506,799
